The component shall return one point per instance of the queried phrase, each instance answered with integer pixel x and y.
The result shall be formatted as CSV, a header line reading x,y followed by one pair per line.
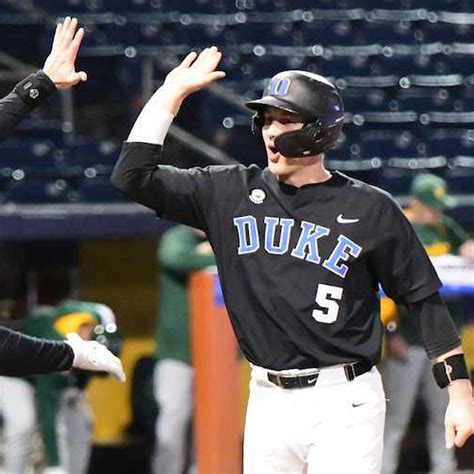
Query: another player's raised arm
x,y
173,193
58,73
60,64
194,73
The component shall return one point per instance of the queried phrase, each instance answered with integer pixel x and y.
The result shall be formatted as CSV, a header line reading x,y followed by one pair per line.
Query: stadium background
x,y
404,69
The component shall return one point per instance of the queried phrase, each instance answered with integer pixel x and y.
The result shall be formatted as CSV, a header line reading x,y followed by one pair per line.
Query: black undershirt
x,y
24,355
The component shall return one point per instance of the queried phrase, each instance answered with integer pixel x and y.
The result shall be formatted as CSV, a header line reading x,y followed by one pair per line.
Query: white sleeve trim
x,y
152,125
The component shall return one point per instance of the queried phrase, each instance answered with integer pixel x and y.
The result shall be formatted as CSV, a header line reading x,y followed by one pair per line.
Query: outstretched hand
x,y
195,72
90,355
459,418
59,65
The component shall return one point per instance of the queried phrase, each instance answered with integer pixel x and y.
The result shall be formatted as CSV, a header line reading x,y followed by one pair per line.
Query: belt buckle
x,y
279,380
349,370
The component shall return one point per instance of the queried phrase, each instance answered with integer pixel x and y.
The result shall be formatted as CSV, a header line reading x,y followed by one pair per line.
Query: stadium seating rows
x,y
402,66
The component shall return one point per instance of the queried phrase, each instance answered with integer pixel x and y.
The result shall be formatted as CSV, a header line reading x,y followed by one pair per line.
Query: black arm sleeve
x,y
181,195
435,326
399,259
24,355
26,95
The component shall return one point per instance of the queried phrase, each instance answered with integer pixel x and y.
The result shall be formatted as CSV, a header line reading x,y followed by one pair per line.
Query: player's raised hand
x,y
195,72
59,65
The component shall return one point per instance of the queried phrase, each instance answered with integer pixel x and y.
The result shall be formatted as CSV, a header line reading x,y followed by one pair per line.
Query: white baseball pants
x,y
334,427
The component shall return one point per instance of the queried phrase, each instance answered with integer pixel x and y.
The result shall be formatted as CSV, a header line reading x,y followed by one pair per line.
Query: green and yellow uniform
x,y
442,239
55,323
178,257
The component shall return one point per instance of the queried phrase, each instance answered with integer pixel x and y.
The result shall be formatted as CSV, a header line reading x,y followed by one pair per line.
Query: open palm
x,y
59,65
195,72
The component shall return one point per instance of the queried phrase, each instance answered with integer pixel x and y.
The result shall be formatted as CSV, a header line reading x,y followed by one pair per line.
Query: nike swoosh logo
x,y
355,405
342,220
312,380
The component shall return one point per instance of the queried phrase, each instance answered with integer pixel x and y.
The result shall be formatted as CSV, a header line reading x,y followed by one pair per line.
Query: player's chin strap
x,y
450,369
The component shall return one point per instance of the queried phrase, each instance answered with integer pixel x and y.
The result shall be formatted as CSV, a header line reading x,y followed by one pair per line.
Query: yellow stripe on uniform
x,y
71,322
388,311
440,248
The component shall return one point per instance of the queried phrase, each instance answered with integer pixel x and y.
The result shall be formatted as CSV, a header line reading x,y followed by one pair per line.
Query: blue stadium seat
x,y
410,64
34,158
448,33
385,143
273,5
398,173
99,157
29,190
423,104
449,6
263,33
196,6
329,33
367,170
449,119
388,33
340,66
98,189
451,142
458,64
133,6
69,7
365,99
460,174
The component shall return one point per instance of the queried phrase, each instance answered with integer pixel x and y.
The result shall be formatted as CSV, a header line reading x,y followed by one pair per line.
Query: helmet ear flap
x,y
311,140
257,124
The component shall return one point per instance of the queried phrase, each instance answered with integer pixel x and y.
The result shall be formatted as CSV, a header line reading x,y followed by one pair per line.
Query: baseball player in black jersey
x,y
301,252
20,354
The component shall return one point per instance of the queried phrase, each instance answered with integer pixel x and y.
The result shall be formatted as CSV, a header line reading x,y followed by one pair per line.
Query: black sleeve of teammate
x,y
176,194
435,326
26,95
399,259
24,355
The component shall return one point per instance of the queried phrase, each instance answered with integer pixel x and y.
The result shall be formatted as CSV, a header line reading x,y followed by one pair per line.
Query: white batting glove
x,y
90,355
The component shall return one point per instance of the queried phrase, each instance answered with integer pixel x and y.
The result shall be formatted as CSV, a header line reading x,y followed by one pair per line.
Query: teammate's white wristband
x,y
152,124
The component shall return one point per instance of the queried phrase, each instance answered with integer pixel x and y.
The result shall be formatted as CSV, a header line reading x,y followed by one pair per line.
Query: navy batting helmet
x,y
311,96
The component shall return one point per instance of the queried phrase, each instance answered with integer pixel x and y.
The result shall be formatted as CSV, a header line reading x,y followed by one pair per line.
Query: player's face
x,y
85,331
276,122
426,215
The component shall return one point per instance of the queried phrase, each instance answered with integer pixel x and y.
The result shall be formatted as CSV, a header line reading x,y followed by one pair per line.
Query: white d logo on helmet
x,y
279,86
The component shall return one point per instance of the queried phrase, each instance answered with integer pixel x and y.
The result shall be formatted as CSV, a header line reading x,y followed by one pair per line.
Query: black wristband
x,y
35,87
451,368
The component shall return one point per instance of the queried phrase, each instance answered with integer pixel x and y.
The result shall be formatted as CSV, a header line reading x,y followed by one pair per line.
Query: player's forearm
x,y
23,355
156,117
135,172
185,262
435,326
26,95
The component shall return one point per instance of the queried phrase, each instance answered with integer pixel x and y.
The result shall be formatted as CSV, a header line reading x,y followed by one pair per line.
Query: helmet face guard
x,y
311,96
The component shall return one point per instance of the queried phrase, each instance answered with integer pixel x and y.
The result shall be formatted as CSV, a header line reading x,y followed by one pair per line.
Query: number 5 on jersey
x,y
326,296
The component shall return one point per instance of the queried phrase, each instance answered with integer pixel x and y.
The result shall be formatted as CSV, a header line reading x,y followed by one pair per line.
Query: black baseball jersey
x,y
26,95
24,355
300,268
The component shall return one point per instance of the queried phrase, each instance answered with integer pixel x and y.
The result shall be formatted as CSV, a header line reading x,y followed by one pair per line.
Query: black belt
x,y
302,381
